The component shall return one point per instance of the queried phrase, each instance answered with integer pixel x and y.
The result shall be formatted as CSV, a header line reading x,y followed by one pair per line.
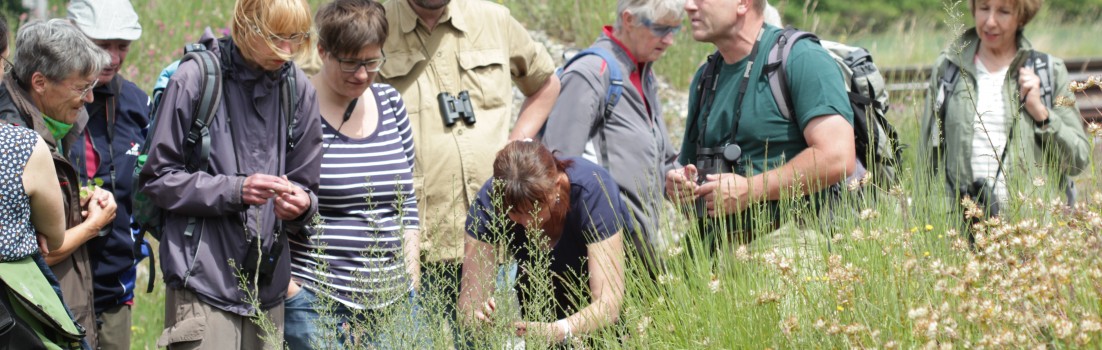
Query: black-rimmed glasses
x,y
352,66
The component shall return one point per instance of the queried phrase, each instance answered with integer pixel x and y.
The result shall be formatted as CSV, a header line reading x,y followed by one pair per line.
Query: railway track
x,y
916,78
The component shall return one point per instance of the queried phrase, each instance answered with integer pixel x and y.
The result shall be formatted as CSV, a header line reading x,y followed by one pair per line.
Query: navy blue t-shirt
x,y
594,216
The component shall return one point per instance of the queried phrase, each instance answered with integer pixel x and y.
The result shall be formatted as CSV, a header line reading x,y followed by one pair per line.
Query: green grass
x,y
886,281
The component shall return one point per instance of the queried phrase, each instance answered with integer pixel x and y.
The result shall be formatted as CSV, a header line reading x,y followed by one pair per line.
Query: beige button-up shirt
x,y
476,47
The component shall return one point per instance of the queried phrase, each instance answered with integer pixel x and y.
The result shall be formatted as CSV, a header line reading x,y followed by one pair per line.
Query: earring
x,y
557,198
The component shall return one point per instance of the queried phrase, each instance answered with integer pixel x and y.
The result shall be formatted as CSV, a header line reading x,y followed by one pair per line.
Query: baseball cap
x,y
106,19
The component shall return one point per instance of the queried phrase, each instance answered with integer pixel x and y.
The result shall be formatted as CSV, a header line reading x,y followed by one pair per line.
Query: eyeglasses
x,y
7,65
296,38
660,30
84,90
293,38
352,66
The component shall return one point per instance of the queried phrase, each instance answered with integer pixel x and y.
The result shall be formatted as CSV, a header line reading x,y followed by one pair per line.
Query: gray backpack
x,y
879,150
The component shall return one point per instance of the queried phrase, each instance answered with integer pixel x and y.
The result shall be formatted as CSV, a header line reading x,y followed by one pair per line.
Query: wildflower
x,y
868,214
917,313
674,251
1038,181
929,227
891,345
914,229
665,278
840,308
1094,129
1064,101
926,253
819,324
768,298
742,253
714,284
641,327
790,325
1090,326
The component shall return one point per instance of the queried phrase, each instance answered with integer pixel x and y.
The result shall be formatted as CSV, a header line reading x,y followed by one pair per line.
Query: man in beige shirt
x,y
476,46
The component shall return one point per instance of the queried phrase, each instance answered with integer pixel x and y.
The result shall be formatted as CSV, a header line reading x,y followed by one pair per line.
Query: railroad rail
x,y
916,79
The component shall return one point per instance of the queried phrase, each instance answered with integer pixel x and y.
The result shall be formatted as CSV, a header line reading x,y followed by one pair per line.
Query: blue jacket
x,y
113,254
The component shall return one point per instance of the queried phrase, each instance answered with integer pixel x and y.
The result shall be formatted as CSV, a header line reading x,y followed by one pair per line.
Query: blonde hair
x,y
254,21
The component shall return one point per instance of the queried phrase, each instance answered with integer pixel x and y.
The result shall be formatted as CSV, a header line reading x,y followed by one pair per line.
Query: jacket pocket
x,y
486,77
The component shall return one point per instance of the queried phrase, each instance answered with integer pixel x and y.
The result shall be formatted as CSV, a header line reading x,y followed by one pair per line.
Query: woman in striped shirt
x,y
362,260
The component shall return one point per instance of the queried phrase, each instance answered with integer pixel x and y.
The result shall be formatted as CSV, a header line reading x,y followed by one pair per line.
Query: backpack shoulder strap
x,y
206,107
948,80
1042,66
775,64
616,78
288,93
705,91
612,95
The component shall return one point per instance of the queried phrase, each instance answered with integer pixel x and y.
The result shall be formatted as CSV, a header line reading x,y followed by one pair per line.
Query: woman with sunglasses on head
x,y
629,138
256,187
369,232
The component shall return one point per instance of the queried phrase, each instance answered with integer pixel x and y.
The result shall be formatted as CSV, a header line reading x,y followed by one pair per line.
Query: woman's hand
x,y
1030,91
681,183
290,204
550,331
486,313
42,245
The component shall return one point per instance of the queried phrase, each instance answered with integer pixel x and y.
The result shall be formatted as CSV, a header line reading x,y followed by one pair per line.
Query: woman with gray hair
x,y
629,138
55,68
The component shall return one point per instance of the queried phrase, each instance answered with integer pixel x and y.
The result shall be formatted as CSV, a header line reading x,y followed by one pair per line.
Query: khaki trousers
x,y
114,329
193,324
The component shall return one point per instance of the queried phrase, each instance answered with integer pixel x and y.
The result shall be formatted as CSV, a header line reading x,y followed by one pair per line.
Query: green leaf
x,y
98,182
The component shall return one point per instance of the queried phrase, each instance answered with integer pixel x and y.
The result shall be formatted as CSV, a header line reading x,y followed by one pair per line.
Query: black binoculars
x,y
266,262
713,161
453,108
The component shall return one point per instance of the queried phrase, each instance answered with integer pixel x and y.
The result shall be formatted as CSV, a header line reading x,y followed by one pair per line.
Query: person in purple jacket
x,y
235,217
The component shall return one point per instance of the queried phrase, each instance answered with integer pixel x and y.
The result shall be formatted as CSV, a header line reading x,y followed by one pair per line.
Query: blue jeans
x,y
301,321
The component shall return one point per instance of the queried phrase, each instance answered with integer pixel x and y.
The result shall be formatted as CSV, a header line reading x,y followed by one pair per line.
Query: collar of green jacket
x,y
963,51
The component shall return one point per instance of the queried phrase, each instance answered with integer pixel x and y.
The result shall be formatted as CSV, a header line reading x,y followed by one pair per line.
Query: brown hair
x,y
255,20
346,26
1024,9
530,175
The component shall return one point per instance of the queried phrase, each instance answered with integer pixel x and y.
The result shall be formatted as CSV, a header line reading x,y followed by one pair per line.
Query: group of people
x,y
575,174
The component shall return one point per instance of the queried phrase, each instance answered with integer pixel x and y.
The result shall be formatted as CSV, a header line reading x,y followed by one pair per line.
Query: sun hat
x,y
106,19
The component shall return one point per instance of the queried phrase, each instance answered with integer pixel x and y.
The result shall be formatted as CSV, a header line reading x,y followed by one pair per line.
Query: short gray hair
x,y
57,49
652,10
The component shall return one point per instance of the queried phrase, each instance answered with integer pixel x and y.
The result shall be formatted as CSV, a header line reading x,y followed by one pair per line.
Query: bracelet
x,y
565,326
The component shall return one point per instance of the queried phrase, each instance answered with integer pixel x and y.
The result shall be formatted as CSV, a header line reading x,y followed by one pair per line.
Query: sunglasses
x,y
660,30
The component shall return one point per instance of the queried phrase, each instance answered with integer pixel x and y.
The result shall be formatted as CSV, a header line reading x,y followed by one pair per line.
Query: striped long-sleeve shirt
x,y
366,201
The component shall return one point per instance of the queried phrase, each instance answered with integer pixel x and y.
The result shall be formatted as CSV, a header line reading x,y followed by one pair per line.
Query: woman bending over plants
x,y
561,220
